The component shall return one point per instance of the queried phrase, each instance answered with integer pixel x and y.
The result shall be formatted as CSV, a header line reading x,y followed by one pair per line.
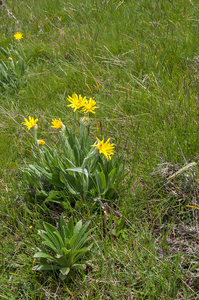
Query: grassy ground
x,y
139,60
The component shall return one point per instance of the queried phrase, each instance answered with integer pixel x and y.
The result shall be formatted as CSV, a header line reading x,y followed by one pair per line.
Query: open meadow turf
x,y
139,60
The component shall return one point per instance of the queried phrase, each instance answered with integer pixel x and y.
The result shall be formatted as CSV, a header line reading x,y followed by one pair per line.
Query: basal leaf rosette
x,y
65,247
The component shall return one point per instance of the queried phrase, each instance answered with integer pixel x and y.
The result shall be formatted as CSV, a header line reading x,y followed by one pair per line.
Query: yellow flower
x,y
89,106
30,227
105,148
31,123
84,120
10,58
18,35
41,142
76,101
57,123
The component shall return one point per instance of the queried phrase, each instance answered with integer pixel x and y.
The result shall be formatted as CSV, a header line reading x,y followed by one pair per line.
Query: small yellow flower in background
x,y
57,123
10,58
84,120
89,106
76,101
97,127
31,123
18,36
105,148
30,227
41,142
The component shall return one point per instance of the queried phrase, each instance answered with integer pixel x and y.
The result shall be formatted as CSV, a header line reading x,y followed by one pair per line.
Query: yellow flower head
x,y
89,106
76,101
31,123
105,148
10,58
84,120
18,36
57,123
41,142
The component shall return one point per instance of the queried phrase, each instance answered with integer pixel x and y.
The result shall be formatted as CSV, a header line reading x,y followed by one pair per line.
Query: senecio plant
x,y
66,246
13,71
81,170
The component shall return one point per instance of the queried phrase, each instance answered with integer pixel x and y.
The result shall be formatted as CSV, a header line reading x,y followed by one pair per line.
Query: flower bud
x,y
40,142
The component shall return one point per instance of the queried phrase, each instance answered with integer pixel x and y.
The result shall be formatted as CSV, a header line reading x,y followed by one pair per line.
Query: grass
x,y
138,59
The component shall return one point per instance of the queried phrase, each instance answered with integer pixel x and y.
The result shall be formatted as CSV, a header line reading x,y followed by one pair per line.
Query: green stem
x,y
75,122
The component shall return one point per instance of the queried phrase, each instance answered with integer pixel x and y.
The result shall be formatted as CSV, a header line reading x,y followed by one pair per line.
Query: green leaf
x,y
67,163
65,251
112,175
59,238
67,183
98,182
90,155
54,235
33,176
50,241
94,164
67,149
53,178
71,226
81,236
61,276
79,170
103,179
49,228
61,225
45,267
72,182
22,68
41,193
6,53
50,245
45,255
77,254
78,227
65,270
77,267
76,155
66,240
72,240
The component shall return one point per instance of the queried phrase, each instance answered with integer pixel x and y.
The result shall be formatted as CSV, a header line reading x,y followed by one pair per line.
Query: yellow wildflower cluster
x,y
78,102
87,106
